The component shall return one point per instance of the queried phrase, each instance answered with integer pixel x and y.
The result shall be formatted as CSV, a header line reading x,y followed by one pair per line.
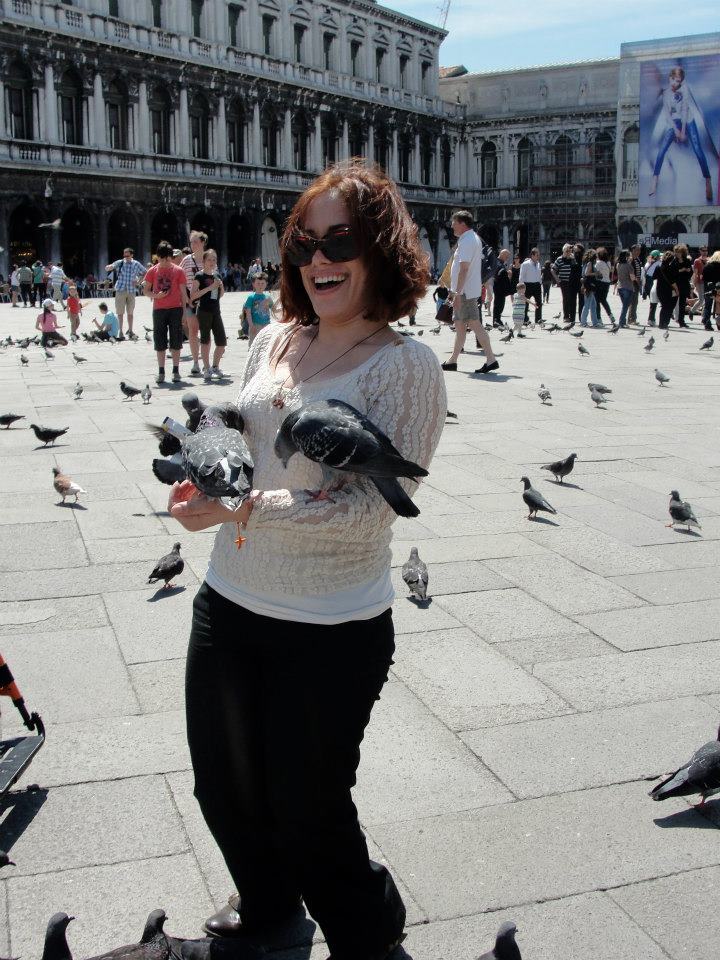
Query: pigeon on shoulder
x,y
534,500
415,575
701,774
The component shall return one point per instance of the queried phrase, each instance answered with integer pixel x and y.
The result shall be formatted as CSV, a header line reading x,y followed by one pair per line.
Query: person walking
x,y
547,280
697,280
502,287
667,287
602,282
14,285
191,264
38,272
25,279
624,285
579,254
531,276
566,274
128,274
589,279
206,291
166,285
684,278
636,276
465,289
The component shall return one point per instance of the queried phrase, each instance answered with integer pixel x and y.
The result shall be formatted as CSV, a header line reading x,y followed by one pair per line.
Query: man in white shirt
x,y
465,289
192,264
57,279
531,276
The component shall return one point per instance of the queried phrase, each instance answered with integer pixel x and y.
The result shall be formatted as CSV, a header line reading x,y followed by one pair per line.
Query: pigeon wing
x,y
536,501
168,471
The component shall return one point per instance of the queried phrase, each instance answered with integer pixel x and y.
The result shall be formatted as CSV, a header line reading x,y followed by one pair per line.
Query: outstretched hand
x,y
197,512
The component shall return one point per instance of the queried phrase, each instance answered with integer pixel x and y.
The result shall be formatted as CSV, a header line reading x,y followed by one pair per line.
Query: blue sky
x,y
501,35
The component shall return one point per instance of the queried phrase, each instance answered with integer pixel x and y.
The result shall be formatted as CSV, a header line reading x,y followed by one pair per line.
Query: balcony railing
x,y
629,187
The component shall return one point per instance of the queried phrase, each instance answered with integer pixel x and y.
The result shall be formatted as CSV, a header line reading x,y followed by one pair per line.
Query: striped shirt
x,y
128,272
565,268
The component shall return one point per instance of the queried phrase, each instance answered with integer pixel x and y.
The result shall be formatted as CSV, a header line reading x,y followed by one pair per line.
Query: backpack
x,y
489,263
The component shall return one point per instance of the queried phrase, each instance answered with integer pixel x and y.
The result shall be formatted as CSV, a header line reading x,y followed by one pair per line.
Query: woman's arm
x,y
196,292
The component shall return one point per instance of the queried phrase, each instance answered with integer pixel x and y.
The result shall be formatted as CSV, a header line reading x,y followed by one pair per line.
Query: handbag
x,y
444,313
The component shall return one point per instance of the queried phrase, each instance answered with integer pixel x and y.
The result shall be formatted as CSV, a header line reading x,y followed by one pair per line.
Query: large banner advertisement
x,y
679,132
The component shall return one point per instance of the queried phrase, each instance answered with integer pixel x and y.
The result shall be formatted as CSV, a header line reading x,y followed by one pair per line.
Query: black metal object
x,y
16,753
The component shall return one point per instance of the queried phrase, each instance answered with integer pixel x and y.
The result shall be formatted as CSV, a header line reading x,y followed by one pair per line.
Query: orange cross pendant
x,y
240,539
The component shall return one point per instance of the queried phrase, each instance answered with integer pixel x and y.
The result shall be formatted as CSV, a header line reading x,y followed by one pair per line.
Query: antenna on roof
x,y
444,9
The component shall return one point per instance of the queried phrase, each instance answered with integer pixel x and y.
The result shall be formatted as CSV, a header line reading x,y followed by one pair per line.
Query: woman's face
x,y
675,81
344,297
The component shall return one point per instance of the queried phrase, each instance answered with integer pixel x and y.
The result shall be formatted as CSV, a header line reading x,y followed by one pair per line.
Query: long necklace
x,y
279,398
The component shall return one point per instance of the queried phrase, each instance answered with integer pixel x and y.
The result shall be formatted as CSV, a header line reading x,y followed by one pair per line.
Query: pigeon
x,y
167,567
505,947
56,946
701,774
154,944
216,458
450,415
583,351
708,344
544,393
415,575
662,378
47,435
148,338
339,437
24,343
666,335
65,486
24,359
599,387
576,333
129,391
7,419
649,345
194,407
420,332
78,390
641,332
681,512
508,337
169,471
436,330
561,468
78,359
146,393
534,500
53,225
48,354
5,860
553,328
598,398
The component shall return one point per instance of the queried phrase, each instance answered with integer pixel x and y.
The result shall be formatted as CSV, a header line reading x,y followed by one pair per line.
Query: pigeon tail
x,y
396,497
169,472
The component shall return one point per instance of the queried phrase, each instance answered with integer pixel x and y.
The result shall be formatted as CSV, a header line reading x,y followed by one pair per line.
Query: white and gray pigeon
x,y
146,393
701,774
681,512
599,387
56,945
216,458
415,575
598,398
534,500
649,345
505,946
583,351
168,567
708,344
662,378
561,468
544,393
78,390
335,435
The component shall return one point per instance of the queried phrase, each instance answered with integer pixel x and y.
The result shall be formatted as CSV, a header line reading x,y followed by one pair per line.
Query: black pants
x,y
708,310
546,291
569,300
38,293
26,293
533,291
682,303
601,293
667,307
276,712
498,307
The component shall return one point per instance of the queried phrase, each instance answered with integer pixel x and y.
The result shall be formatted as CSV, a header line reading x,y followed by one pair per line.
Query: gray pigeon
x,y
599,387
168,567
561,468
661,377
415,575
56,946
641,332
47,435
534,500
24,359
7,419
146,393
597,397
708,344
78,359
78,390
701,774
544,393
505,947
169,470
129,390
194,407
666,335
649,345
154,944
576,333
216,458
583,351
681,512
340,438
5,860
508,337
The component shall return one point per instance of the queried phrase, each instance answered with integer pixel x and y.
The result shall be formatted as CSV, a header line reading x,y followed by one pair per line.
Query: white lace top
x,y
319,561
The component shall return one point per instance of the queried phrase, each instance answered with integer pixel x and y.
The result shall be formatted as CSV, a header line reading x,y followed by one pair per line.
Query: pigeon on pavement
x,y
599,387
7,419
508,337
583,351
47,435
340,438
505,947
641,332
701,774
614,328
534,500
561,468
544,393
168,567
666,335
5,860
662,378
78,390
576,333
415,575
146,393
649,345
66,486
436,330
56,946
216,458
24,359
598,398
78,359
681,512
129,390
450,415
708,344
154,945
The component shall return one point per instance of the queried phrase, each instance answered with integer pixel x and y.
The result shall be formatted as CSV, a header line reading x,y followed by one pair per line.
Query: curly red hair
x,y
397,264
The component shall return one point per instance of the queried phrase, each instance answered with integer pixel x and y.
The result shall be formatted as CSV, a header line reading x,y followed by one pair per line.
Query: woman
x,y
666,282
292,635
684,277
589,278
711,286
624,286
547,280
602,282
515,273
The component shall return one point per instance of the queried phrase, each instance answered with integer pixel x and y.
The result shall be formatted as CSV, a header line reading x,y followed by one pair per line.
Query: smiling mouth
x,y
321,284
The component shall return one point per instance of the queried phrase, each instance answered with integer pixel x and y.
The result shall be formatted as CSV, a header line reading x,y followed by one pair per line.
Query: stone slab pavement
x,y
561,666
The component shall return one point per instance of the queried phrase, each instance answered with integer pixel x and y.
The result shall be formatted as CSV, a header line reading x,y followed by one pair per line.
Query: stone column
x,y
287,148
145,238
143,112
99,104
317,145
3,128
345,142
437,172
51,106
394,165
183,147
371,143
416,172
102,245
221,137
256,153
4,242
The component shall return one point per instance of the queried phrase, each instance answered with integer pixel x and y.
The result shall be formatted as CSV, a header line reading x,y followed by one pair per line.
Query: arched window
x,y
71,104
269,132
426,160
19,100
157,13
631,153
563,161
329,138
524,164
199,112
604,158
488,166
300,138
235,123
160,107
405,146
671,228
628,231
712,229
117,115
356,139
196,17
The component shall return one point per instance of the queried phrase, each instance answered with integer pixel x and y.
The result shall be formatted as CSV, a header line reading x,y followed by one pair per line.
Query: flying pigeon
x,y
599,387
47,435
576,333
146,393
415,575
505,947
129,390
508,337
661,377
583,351
53,225
168,567
597,397
708,344
340,438
561,468
24,360
56,946
534,500
649,345
701,774
544,393
5,860
65,486
78,390
7,419
78,359
216,458
681,512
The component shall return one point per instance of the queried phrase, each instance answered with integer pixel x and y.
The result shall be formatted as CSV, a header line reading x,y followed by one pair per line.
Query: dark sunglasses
x,y
339,246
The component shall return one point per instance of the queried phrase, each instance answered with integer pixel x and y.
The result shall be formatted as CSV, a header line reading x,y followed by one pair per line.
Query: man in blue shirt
x,y
128,272
107,326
